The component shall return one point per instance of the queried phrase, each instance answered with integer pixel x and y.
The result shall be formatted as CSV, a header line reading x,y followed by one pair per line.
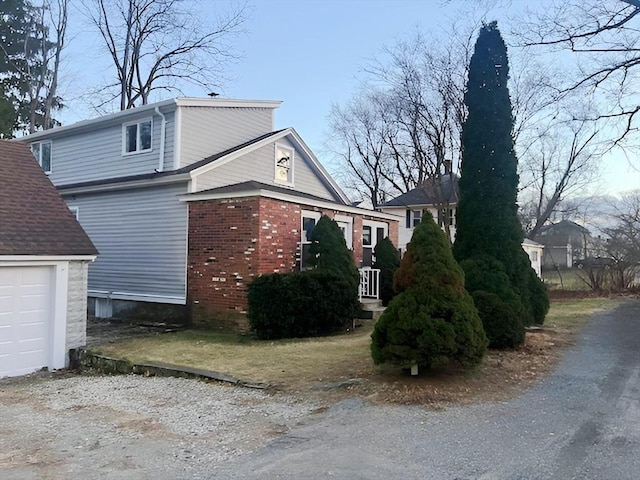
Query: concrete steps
x,y
371,308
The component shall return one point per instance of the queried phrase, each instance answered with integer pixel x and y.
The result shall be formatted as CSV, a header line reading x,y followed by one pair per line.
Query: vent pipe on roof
x,y
163,128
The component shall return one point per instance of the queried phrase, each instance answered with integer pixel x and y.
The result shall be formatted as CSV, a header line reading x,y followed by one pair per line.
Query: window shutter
x,y
408,218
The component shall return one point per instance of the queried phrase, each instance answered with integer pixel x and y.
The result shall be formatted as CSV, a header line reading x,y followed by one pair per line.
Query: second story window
x,y
137,137
42,152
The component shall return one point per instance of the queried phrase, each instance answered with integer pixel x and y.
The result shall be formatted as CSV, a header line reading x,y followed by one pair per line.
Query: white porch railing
x,y
369,283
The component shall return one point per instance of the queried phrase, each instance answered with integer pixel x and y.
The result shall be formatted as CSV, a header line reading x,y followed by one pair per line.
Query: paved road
x,y
583,422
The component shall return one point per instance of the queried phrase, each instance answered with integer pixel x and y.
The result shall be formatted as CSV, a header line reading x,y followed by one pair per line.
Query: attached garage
x,y
44,256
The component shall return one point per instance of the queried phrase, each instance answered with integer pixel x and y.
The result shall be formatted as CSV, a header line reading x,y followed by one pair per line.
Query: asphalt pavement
x,y
582,422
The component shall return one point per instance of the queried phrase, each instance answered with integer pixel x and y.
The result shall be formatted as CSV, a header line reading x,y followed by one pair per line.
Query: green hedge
x,y
301,304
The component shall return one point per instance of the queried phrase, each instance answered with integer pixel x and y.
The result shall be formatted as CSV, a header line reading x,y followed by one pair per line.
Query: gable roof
x,y
182,172
253,188
566,227
213,161
34,220
434,191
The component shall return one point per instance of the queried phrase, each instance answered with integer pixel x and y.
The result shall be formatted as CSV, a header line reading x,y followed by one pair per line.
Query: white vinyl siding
x,y
259,166
141,237
98,154
206,131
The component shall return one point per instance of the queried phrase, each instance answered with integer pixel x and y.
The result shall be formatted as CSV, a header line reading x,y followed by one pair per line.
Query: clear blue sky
x,y
309,54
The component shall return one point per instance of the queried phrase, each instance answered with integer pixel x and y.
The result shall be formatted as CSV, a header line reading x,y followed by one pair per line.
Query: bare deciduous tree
x,y
623,242
159,45
560,160
604,38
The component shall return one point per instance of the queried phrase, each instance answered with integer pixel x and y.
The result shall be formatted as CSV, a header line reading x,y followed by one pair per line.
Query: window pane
x,y
131,138
308,225
145,135
35,148
46,156
366,235
379,234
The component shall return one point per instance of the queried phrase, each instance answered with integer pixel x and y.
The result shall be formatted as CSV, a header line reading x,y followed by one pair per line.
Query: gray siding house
x,y
128,177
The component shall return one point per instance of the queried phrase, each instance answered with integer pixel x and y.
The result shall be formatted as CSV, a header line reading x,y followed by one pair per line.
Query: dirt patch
x,y
502,375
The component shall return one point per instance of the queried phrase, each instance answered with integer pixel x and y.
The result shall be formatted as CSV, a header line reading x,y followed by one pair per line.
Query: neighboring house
x,y
188,199
535,251
44,255
440,198
565,243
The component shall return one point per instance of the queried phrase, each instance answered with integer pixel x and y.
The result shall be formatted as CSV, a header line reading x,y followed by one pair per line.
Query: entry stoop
x,y
372,308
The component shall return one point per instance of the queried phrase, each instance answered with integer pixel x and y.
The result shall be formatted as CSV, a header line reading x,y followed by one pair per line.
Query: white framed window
x,y
416,217
136,137
346,227
283,166
75,211
42,152
309,221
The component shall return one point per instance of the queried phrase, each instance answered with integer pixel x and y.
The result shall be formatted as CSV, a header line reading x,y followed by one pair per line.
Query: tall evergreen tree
x,y
487,220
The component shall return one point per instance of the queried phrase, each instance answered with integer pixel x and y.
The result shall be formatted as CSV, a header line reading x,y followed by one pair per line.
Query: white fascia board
x,y
21,260
328,204
238,153
316,163
137,297
105,119
148,182
226,102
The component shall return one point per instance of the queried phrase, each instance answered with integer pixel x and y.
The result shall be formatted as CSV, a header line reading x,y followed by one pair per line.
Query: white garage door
x,y
25,318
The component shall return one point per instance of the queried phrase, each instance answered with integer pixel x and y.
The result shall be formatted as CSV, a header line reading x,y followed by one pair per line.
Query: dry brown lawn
x,y
340,365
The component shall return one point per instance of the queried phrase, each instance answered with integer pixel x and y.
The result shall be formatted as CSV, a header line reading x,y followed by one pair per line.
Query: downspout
x,y
163,128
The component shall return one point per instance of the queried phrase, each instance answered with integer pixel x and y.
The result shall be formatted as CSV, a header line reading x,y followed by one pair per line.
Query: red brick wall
x,y
231,241
222,257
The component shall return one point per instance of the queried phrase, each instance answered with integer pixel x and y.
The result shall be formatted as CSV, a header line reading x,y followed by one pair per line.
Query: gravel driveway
x,y
582,422
132,427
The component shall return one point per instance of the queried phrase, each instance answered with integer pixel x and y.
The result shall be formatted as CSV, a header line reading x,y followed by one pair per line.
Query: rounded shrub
x,y
301,304
432,320
499,306
387,261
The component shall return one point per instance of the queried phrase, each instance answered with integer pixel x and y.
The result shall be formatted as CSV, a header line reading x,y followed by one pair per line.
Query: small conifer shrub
x,y
432,320
387,261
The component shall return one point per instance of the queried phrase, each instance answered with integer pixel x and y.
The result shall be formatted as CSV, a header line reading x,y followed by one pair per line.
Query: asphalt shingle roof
x,y
443,189
34,220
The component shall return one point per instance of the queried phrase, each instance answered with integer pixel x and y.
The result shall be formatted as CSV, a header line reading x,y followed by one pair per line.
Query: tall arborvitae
x,y
487,220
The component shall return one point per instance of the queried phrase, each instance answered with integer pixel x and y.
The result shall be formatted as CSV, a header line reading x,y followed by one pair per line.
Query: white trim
x,y
58,357
163,134
137,122
325,204
346,220
177,137
139,297
146,182
75,210
42,259
226,102
291,152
